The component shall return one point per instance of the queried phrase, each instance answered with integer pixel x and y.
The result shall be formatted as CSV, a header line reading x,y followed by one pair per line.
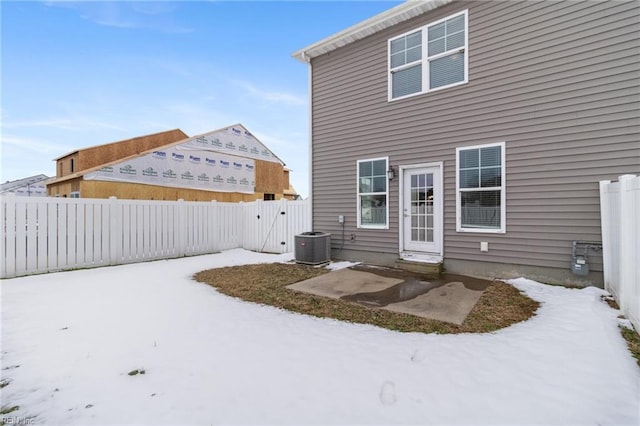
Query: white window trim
x,y
74,194
358,194
425,58
503,191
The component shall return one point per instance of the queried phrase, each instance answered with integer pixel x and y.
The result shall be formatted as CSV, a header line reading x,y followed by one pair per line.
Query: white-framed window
x,y
373,193
74,194
480,188
429,58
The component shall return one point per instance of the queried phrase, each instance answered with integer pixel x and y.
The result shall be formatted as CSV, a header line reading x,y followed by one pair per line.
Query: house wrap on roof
x,y
228,164
32,186
471,135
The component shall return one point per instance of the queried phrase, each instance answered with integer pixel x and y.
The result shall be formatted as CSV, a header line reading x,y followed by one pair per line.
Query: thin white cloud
x,y
123,14
192,117
154,7
76,123
272,96
269,140
176,68
30,144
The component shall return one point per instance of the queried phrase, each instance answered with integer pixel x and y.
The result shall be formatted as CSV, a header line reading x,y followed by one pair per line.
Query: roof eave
x,y
393,16
66,155
122,140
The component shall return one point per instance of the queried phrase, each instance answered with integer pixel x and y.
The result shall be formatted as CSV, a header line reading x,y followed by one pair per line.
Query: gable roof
x,y
239,127
393,16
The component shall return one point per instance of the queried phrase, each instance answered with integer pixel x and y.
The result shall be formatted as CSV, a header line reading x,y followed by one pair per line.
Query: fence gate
x,y
271,226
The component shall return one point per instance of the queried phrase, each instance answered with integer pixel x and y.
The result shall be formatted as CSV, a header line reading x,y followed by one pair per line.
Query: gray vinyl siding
x,y
556,81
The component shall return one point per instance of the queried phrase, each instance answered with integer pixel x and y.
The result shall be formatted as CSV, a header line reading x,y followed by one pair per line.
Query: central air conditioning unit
x,y
312,248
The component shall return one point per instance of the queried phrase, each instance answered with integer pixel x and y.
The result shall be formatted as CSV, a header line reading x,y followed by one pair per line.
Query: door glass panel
x,y
422,207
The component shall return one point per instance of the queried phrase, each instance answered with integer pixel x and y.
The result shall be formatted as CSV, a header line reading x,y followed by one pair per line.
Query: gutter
x,y
377,23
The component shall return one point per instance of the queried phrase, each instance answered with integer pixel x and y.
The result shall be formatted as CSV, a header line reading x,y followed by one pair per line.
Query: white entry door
x,y
422,210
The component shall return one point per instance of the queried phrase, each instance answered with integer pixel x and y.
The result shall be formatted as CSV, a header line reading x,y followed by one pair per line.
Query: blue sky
x,y
78,74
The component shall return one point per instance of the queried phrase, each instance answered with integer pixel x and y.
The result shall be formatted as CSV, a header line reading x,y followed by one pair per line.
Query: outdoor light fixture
x,y
391,173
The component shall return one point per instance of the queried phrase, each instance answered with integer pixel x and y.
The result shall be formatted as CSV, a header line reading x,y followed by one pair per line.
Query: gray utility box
x,y
312,248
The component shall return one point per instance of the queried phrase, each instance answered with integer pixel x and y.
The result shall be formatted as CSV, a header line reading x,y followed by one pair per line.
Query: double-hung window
x,y
373,193
480,188
431,57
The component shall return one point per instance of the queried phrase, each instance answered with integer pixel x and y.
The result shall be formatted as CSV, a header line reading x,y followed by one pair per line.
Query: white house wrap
x,y
232,140
220,161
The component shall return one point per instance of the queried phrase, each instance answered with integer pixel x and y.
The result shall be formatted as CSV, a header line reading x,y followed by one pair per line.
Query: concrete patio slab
x,y
448,298
344,282
450,303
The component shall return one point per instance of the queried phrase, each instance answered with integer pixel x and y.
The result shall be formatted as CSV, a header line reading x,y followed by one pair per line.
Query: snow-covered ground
x,y
69,339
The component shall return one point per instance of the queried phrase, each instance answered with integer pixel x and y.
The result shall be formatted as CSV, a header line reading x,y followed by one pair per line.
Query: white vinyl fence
x,y
51,234
620,212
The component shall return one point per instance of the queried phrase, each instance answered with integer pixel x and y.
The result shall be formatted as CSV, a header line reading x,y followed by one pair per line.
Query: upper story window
x,y
429,58
480,188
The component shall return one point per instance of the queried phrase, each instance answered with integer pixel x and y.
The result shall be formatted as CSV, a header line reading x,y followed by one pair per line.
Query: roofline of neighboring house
x,y
393,16
69,154
123,140
239,125
68,177
19,183
93,169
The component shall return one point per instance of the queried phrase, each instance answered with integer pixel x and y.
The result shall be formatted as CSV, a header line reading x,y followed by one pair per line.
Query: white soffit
x,y
396,15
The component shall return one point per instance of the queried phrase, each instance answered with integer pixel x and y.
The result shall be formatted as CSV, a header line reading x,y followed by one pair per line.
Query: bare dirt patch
x,y
501,305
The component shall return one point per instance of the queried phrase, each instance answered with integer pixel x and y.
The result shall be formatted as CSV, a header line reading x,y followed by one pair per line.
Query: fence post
x,y
182,236
605,225
627,228
8,266
214,226
115,232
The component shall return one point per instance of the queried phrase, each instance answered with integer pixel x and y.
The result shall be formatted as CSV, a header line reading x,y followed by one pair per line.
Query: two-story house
x,y
473,134
228,164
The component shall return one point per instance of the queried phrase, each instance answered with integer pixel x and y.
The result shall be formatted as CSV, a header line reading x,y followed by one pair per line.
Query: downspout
x,y
307,59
